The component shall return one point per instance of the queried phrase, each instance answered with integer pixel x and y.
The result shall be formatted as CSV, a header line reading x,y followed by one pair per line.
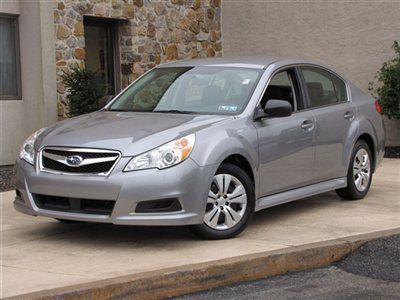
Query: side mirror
x,y
275,109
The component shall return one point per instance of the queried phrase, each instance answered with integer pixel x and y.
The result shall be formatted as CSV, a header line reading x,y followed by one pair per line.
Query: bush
x,y
84,91
388,90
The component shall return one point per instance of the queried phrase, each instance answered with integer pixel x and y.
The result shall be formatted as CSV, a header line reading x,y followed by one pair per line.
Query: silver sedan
x,y
205,143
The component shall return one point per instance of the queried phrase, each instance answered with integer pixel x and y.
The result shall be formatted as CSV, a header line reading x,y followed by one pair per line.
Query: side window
x,y
323,87
283,87
340,88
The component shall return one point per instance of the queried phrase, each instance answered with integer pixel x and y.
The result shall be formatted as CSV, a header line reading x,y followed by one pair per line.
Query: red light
x,y
378,107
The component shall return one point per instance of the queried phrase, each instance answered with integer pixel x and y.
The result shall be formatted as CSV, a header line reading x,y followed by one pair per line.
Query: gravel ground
x,y
372,272
6,178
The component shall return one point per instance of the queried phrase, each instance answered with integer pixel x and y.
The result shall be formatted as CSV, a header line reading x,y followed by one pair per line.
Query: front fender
x,y
214,145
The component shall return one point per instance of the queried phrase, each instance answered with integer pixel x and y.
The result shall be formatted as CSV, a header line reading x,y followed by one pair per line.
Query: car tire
x,y
359,174
237,198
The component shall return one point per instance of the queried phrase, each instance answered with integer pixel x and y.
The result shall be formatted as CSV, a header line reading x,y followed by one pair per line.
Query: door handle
x,y
349,115
307,125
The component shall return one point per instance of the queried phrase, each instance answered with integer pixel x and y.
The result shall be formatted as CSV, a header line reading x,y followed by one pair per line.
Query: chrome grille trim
x,y
86,162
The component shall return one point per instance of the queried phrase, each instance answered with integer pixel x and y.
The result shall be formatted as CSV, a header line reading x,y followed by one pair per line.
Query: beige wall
x,y
354,37
37,108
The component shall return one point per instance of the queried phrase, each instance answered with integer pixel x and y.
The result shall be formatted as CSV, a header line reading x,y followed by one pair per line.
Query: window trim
x,y
18,96
305,90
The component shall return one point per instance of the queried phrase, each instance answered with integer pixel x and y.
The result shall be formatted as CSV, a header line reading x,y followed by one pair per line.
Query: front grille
x,y
93,168
75,205
83,154
91,161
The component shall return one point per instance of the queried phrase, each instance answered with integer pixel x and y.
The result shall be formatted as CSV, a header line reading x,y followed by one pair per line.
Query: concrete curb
x,y
191,278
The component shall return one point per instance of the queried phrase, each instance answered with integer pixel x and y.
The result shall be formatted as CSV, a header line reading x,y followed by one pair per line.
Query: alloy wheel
x,y
226,202
361,170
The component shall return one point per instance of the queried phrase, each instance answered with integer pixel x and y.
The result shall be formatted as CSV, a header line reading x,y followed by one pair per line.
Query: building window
x,y
10,85
102,56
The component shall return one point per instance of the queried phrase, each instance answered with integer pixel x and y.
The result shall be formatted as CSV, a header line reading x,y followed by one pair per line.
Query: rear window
x,y
324,88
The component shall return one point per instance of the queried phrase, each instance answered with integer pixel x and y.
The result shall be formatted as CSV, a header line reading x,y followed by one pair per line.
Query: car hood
x,y
129,132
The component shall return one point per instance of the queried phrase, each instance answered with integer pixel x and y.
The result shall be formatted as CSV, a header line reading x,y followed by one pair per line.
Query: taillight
x,y
378,107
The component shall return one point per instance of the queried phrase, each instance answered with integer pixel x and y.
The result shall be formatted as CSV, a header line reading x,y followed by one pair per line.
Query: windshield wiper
x,y
174,111
127,110
120,109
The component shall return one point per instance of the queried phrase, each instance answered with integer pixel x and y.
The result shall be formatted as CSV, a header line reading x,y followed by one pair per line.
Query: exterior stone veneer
x,y
155,32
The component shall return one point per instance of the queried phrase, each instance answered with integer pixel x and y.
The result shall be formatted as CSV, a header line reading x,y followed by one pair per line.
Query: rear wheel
x,y
359,175
230,204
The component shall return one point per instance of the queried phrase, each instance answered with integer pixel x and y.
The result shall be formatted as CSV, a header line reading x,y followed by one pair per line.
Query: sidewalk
x,y
40,253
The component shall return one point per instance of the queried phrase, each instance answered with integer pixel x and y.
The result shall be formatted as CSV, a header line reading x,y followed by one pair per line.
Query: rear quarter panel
x,y
369,121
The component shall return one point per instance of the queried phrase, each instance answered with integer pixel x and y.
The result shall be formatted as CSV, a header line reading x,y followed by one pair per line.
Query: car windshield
x,y
202,90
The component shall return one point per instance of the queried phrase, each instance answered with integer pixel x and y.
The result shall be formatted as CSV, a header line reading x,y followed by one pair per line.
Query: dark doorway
x,y
101,36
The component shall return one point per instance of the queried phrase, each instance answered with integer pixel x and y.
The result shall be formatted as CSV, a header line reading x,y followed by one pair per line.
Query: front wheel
x,y
230,204
359,175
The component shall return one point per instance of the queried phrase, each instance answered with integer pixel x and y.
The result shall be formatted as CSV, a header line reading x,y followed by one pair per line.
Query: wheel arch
x,y
238,146
367,138
366,131
241,161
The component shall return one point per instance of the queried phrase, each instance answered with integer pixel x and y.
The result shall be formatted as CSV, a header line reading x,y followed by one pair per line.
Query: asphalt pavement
x,y
372,272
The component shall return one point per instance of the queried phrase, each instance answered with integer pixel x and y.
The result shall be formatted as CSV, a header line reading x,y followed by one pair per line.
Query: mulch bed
x,y
6,178
6,172
392,152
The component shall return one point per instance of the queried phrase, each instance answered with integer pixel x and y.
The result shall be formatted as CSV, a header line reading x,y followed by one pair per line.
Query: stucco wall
x,y
354,37
37,108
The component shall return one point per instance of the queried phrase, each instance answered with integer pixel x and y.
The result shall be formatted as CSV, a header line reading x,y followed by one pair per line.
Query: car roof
x,y
254,62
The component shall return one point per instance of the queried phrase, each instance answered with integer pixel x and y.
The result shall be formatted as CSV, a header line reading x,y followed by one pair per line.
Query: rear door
x,y
329,102
286,145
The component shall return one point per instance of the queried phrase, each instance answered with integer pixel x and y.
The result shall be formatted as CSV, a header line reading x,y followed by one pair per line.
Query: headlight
x,y
164,156
27,152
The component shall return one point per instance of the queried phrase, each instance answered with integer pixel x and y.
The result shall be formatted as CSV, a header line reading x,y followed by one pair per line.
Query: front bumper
x,y
186,182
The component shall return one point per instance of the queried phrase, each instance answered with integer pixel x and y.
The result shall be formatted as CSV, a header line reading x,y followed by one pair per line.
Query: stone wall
x,y
156,32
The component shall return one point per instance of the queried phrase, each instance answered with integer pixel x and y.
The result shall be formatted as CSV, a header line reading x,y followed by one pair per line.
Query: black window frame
x,y
305,89
18,96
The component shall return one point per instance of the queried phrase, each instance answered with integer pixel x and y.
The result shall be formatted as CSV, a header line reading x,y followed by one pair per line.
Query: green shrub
x,y
84,91
388,89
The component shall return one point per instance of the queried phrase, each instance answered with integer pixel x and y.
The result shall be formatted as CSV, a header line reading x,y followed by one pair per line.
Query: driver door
x,y
286,145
